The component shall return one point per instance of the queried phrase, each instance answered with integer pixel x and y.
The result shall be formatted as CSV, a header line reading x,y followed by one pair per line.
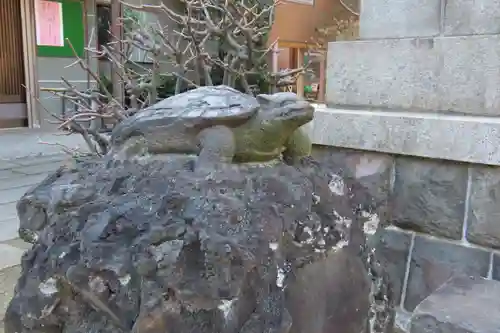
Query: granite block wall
x,y
434,55
444,216
412,114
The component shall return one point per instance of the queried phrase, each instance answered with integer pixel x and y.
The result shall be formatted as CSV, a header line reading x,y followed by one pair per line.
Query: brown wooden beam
x,y
117,32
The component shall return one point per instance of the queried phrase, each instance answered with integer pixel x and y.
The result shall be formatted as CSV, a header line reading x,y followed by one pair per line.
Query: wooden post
x,y
29,57
322,80
300,79
276,52
117,32
89,23
275,65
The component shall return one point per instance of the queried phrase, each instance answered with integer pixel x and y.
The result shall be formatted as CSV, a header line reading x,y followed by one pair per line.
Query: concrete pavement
x,y
27,156
17,177
11,252
8,279
22,143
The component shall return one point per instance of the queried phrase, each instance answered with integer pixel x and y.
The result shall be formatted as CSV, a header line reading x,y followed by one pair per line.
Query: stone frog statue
x,y
219,124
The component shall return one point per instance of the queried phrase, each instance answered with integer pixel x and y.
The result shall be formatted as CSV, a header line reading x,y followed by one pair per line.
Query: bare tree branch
x,y
352,11
207,35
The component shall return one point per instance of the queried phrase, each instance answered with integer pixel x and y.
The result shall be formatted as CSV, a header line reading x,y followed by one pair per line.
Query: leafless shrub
x,y
192,45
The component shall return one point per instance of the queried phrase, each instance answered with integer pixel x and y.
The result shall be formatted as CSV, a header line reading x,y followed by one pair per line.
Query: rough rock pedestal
x,y
153,246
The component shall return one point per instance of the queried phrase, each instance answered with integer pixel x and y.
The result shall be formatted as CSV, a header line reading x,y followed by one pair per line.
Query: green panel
x,y
73,29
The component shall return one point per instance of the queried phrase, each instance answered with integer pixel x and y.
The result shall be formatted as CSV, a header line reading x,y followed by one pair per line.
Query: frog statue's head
x,y
286,108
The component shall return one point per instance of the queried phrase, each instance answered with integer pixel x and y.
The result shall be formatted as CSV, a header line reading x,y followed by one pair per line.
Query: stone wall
x,y
444,216
412,112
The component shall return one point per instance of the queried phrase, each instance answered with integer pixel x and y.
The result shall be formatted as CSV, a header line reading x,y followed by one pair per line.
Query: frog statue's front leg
x,y
297,146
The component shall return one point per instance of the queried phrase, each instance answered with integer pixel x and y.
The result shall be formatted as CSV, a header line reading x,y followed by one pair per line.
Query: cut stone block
x,y
429,196
484,212
462,305
442,74
456,138
382,73
434,261
399,18
391,249
465,17
370,170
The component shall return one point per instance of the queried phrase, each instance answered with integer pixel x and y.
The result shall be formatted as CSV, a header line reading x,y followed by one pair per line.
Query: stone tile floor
x,y
17,177
24,162
11,252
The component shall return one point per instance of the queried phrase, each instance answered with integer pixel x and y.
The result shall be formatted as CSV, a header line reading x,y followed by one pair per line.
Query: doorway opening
x,y
13,110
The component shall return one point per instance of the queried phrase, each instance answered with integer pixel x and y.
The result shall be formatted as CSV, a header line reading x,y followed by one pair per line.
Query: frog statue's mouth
x,y
297,111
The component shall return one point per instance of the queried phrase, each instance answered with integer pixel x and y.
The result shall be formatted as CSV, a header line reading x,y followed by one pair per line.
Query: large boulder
x,y
152,246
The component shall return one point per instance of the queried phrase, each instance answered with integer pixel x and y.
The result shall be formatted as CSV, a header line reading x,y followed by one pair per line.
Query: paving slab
x,y
12,194
8,211
18,243
34,142
29,170
11,252
9,256
10,163
21,181
31,160
26,157
9,229
8,280
18,174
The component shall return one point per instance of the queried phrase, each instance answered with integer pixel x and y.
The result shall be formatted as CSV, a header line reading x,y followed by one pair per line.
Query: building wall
x,y
284,60
49,71
416,100
297,22
13,111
